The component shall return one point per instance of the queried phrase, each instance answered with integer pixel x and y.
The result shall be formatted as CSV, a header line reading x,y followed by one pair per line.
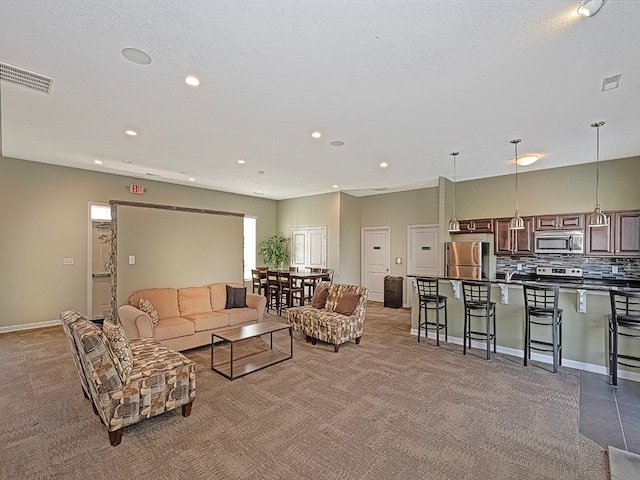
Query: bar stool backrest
x,y
293,269
625,306
427,287
477,294
316,270
272,279
539,298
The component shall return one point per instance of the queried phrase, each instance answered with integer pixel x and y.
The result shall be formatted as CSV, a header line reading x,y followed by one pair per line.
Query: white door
x,y
309,247
423,256
375,261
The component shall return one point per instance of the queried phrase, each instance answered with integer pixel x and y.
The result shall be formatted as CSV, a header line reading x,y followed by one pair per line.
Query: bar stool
x,y
273,291
430,299
541,308
625,321
478,304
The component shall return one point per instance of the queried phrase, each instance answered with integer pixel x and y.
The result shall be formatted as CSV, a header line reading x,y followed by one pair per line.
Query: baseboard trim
x,y
30,326
514,352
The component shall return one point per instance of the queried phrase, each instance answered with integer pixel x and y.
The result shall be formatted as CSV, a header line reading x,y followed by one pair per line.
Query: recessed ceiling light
x,y
336,143
131,133
258,192
136,56
590,7
98,162
241,162
192,81
191,179
527,160
316,134
335,186
384,164
126,161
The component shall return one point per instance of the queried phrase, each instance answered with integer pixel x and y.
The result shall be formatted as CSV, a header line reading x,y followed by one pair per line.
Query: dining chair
x,y
259,282
273,291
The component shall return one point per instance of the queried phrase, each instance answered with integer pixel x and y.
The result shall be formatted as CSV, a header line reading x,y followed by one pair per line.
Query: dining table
x,y
308,278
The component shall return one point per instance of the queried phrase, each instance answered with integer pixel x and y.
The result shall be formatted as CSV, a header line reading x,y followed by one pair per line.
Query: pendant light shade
x,y
597,218
516,223
454,225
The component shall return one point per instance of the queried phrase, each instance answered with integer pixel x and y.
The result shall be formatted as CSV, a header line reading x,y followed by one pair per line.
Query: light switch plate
x,y
614,268
132,259
67,261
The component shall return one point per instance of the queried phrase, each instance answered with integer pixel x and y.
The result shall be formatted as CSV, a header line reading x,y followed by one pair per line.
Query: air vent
x,y
609,83
25,78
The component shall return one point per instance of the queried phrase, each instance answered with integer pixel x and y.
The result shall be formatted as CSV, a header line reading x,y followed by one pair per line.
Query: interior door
x,y
376,261
423,256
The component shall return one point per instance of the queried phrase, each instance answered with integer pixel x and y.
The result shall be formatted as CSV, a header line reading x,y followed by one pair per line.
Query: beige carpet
x,y
387,408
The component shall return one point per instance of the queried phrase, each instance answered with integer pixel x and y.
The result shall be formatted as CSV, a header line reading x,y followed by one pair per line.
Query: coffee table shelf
x,y
237,368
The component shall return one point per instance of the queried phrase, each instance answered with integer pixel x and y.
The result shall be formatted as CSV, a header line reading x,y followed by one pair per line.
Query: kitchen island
x,y
585,306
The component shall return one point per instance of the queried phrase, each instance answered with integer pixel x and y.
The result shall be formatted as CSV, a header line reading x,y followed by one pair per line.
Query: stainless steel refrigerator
x,y
467,260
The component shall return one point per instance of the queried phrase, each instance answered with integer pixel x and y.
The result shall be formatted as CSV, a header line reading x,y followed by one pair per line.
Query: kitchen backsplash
x,y
592,267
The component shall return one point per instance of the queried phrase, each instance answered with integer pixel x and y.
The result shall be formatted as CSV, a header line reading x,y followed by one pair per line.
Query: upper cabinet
x,y
621,237
482,225
513,242
573,221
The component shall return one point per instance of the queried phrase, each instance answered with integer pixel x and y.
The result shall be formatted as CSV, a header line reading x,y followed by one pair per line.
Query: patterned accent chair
x,y
162,379
328,325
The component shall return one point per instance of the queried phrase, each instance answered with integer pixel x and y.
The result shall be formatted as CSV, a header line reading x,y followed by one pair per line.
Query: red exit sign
x,y
137,189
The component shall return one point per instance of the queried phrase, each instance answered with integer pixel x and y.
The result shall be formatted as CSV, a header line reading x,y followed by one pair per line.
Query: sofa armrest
x,y
259,302
135,322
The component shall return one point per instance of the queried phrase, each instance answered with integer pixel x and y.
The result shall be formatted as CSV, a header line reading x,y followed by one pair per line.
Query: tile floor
x,y
610,416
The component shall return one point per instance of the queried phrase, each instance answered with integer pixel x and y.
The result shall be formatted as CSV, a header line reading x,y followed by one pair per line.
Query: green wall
x,y
44,217
350,242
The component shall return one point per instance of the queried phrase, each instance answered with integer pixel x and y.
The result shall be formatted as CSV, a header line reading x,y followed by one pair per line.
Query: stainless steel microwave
x,y
559,241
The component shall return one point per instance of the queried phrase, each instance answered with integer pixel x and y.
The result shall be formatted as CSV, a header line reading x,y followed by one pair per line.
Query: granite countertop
x,y
598,284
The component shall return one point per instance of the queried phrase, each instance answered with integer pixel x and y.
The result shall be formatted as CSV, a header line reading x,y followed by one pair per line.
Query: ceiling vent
x,y
25,78
609,83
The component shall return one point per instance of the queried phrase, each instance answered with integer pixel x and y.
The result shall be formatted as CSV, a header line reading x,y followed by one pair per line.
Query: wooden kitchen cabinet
x,y
513,242
482,225
573,221
620,238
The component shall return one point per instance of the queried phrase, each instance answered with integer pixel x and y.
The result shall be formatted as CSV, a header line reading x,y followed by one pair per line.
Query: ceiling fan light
x,y
454,224
597,218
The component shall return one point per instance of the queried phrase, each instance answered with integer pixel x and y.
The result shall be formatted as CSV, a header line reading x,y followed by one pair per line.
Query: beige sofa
x,y
188,316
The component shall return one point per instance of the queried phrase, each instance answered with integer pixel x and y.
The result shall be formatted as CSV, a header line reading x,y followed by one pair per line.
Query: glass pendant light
x,y
454,225
597,218
516,223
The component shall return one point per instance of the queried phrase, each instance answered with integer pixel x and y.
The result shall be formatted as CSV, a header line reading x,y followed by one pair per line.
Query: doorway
x,y
375,260
99,269
423,250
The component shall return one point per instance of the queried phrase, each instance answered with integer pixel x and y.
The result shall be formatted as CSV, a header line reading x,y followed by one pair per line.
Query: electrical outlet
x,y
614,268
519,267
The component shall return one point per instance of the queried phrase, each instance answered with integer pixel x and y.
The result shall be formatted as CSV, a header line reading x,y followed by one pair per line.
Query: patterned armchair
x,y
327,323
160,379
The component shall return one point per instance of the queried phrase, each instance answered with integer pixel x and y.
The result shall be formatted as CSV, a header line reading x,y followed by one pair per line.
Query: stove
x,y
566,274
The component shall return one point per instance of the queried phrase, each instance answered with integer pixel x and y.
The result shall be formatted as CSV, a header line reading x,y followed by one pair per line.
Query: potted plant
x,y
275,251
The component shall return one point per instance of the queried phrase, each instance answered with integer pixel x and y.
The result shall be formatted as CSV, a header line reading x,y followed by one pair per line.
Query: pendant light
x,y
516,223
454,225
597,218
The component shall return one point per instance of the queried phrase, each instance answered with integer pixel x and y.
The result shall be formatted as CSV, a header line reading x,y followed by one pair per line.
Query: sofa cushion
x,y
218,293
320,295
165,300
193,300
173,327
147,307
119,345
236,297
208,321
347,303
238,316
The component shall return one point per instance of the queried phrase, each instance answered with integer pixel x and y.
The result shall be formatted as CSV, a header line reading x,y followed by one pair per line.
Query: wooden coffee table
x,y
254,362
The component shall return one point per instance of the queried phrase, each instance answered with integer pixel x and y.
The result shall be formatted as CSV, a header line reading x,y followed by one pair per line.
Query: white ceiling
x,y
405,82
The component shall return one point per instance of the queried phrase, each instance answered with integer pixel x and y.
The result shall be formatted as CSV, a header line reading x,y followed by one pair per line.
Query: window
x,y
100,212
249,246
